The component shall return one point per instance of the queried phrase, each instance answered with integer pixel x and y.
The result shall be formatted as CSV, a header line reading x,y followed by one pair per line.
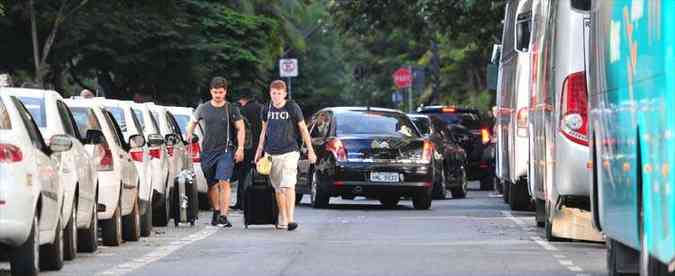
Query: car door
x,y
320,127
84,168
51,189
121,150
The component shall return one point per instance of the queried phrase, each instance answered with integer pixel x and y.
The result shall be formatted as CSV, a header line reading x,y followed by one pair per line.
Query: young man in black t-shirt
x,y
281,122
218,148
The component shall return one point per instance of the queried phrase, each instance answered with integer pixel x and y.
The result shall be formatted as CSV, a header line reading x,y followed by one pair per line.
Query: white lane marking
x,y
544,244
558,256
518,221
575,268
158,253
566,262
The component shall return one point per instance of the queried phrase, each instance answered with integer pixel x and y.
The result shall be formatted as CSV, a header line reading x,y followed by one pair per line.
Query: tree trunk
x,y
34,37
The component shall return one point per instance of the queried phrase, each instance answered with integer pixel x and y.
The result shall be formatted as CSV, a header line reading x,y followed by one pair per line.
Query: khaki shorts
x,y
284,172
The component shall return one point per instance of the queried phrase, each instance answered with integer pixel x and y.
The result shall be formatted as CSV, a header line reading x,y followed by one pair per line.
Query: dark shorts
x,y
217,165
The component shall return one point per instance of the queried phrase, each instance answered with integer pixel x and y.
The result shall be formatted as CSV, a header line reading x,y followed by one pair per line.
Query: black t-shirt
x,y
282,127
214,122
251,111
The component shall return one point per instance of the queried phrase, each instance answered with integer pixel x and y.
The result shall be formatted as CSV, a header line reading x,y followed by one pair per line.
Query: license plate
x,y
384,177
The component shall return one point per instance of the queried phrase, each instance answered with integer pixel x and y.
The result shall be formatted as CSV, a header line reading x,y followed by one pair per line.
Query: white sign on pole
x,y
288,68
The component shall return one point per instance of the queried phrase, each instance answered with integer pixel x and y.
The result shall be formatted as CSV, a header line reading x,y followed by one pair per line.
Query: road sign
x,y
403,77
288,68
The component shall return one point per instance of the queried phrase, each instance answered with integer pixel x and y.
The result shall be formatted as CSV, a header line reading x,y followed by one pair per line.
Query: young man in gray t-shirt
x,y
219,153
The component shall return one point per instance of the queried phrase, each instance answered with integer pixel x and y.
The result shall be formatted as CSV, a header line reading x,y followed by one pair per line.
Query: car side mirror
x,y
171,139
94,137
136,141
60,143
155,140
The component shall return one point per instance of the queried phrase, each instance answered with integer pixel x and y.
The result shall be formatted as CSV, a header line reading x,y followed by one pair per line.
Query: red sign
x,y
402,77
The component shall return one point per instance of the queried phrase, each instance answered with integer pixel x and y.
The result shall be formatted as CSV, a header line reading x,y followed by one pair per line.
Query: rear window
x,y
467,119
375,123
139,115
36,107
5,122
118,113
85,119
423,124
182,121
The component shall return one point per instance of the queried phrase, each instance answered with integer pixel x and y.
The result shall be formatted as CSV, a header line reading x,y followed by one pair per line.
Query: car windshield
x,y
139,115
85,119
182,121
118,113
36,107
375,123
467,119
422,124
5,122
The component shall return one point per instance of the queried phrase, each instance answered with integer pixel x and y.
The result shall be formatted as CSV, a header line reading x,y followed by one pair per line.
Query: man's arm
x,y
261,141
189,130
241,133
311,155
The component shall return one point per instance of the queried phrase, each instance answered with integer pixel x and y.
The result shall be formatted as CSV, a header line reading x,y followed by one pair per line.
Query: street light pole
x,y
410,100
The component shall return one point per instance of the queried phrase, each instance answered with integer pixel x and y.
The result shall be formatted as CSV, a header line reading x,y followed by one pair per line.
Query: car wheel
x,y
25,259
204,204
617,255
649,265
519,198
487,183
112,228
131,224
87,239
540,212
298,198
51,255
548,225
70,236
507,190
422,200
161,215
146,221
390,201
440,187
319,198
460,191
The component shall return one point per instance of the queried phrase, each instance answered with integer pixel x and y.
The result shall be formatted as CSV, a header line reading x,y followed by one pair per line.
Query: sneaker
x,y
292,226
222,220
215,219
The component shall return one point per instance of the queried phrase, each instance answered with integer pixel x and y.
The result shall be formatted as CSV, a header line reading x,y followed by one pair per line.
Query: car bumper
x,y
17,207
354,178
571,175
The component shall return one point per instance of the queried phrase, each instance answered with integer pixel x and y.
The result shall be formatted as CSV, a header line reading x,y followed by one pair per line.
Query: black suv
x,y
477,143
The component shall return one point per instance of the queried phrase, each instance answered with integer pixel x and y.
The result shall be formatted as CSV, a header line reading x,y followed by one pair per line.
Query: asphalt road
x,y
478,235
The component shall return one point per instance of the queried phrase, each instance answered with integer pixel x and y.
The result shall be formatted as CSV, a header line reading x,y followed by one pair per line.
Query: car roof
x,y
439,108
342,109
416,115
29,92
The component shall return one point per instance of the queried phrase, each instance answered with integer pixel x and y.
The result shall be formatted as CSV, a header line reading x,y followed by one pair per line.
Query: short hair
x,y
218,82
86,93
278,84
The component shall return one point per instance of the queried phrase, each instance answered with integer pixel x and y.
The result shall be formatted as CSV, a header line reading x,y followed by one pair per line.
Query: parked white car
x,y
76,169
175,145
31,231
129,122
159,163
118,177
183,115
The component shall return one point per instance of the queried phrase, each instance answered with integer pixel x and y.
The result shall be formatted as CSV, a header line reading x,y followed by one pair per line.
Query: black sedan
x,y
370,152
450,155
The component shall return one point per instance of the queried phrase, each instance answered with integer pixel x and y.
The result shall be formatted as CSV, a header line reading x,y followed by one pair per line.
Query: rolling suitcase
x,y
184,200
260,203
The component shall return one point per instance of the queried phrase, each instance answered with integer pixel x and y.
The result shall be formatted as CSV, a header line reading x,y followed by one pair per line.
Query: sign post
x,y
288,68
403,79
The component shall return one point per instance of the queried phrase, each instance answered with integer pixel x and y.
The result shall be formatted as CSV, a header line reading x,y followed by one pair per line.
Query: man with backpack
x,y
282,125
219,119
250,111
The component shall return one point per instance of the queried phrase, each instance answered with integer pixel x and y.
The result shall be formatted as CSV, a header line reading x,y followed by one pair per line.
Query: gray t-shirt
x,y
217,130
282,127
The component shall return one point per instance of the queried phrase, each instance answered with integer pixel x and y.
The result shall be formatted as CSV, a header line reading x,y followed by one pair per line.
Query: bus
x,y
632,105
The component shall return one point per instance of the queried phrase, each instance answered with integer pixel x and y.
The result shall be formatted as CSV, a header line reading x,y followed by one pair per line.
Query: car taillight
x,y
106,163
155,153
336,147
427,150
521,121
10,153
485,135
195,151
574,113
169,150
137,155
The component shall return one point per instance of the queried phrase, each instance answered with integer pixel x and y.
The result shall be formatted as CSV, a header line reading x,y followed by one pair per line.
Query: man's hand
x,y
258,155
311,156
239,155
